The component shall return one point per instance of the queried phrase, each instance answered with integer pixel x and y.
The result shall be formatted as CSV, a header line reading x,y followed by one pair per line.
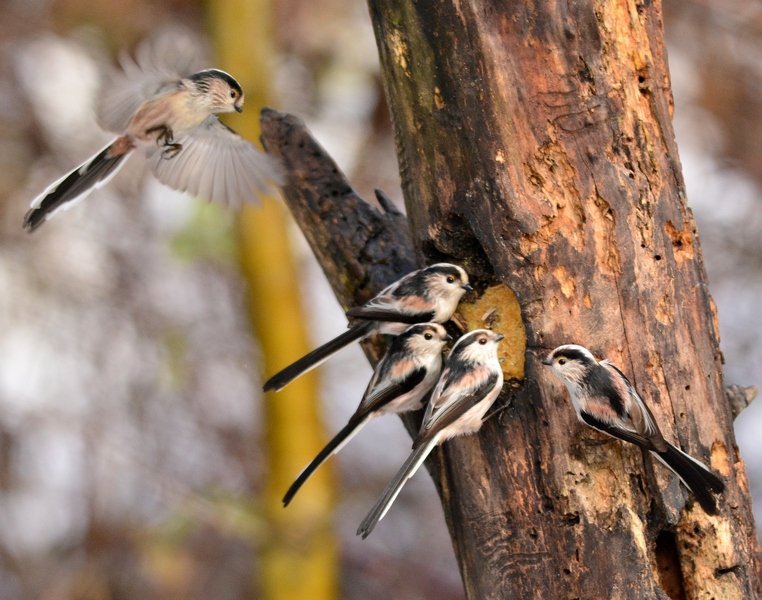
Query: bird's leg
x,y
171,150
165,137
165,140
498,411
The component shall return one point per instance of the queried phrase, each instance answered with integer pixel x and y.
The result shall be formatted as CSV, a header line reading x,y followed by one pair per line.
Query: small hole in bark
x,y
687,387
668,566
567,571
726,570
455,242
657,257
641,79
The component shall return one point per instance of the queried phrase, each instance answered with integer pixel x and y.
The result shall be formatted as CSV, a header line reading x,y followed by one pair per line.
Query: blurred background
x,y
138,458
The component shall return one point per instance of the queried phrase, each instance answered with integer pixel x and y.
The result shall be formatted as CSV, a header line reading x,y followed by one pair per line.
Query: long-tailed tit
x,y
470,383
402,378
605,400
429,295
168,115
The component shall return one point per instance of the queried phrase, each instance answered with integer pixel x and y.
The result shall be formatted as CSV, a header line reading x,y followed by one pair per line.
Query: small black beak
x,y
499,337
467,287
239,108
546,361
447,337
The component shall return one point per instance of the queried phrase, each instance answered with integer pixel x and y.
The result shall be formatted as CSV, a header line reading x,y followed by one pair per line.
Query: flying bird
x,y
605,400
167,113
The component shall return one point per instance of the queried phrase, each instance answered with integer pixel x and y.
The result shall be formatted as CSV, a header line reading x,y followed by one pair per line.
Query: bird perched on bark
x,y
402,378
471,381
428,295
605,400
166,112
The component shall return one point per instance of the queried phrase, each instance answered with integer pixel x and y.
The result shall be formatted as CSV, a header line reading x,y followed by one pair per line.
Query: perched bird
x,y
470,383
429,295
168,115
402,378
605,400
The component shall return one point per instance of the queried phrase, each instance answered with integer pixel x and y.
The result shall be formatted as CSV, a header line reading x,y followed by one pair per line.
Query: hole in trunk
x,y
668,566
454,241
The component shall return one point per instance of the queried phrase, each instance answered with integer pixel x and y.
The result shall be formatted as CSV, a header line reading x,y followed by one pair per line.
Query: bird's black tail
x,y
73,187
384,502
337,443
308,362
696,477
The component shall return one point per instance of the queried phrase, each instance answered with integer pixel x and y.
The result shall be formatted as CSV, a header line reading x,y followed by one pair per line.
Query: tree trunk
x,y
537,150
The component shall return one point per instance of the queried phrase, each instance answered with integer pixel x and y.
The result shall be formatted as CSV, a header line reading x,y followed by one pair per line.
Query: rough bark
x,y
536,148
360,249
341,227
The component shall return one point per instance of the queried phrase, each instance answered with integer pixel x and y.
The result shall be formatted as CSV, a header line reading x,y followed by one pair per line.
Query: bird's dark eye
x,y
482,341
450,279
427,336
561,361
233,94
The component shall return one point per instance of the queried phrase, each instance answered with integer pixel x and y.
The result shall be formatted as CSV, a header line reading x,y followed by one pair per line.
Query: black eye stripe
x,y
571,354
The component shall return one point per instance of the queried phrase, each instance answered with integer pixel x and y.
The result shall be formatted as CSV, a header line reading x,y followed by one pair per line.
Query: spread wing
x,y
217,164
158,65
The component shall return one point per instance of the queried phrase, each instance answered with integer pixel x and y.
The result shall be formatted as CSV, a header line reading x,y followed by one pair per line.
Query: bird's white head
x,y
446,284
570,363
221,91
478,346
426,339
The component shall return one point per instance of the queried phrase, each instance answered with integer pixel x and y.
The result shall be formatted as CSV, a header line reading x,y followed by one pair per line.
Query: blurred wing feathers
x,y
217,164
156,68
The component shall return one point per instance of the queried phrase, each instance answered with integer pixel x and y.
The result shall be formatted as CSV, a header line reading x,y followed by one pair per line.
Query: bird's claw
x,y
165,137
171,150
